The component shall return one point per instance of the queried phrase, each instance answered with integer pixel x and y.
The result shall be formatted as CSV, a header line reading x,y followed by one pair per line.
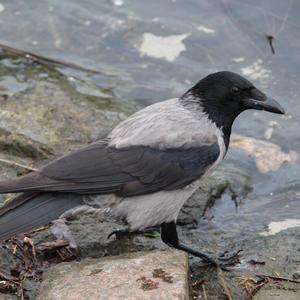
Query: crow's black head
x,y
224,95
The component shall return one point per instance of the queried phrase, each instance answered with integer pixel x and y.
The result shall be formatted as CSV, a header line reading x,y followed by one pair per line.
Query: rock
x,y
168,48
210,190
274,255
44,112
8,297
8,262
239,182
268,156
277,294
30,288
18,144
296,273
227,179
91,232
276,227
143,275
91,236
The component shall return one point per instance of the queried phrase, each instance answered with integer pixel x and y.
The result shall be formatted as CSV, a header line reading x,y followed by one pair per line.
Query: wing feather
x,y
99,168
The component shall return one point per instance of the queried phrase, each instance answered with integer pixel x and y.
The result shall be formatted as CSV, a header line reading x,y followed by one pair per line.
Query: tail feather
x,y
31,210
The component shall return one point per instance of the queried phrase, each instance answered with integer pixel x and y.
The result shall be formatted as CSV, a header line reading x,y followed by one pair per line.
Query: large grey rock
x,y
143,275
90,234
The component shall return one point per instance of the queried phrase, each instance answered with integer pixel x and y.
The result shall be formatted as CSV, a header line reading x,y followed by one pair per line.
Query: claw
x,y
111,234
230,258
224,253
119,233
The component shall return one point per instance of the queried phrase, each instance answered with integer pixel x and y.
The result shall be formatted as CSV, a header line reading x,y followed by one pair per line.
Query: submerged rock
x,y
268,156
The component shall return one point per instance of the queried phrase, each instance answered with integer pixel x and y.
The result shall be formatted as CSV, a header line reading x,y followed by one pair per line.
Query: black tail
x,y
33,209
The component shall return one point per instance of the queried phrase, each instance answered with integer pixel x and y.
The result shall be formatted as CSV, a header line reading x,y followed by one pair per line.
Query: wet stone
x,y
211,189
50,115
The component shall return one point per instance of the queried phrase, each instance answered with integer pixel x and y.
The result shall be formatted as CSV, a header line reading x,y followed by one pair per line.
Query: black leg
x,y
170,237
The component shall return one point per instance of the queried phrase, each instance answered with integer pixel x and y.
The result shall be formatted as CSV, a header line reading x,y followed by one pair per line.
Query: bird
x,y
144,169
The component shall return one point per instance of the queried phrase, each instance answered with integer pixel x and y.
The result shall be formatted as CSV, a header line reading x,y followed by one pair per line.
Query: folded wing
x,y
99,168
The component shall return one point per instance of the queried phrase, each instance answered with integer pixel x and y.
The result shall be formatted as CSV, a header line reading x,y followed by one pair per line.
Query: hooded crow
x,y
146,168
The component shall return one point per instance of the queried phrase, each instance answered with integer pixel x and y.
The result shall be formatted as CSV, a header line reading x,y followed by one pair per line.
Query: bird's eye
x,y
235,90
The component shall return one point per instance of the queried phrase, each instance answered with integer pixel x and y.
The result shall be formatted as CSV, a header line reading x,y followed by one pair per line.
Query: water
x,y
120,39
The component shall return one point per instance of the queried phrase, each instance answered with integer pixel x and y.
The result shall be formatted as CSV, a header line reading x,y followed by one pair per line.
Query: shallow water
x,y
120,39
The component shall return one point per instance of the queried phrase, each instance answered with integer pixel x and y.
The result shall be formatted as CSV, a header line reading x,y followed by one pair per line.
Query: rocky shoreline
x,y
44,114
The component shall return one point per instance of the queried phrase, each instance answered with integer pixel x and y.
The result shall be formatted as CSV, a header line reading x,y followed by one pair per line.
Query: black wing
x,y
130,171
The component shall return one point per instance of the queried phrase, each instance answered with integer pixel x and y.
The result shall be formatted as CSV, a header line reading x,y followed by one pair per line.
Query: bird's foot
x,y
225,260
170,237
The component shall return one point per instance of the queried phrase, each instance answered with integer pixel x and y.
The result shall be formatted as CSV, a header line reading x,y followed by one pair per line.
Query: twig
x,y
60,255
224,285
256,262
257,288
271,25
43,59
54,245
13,163
30,243
270,39
196,284
284,20
277,278
38,229
8,277
204,292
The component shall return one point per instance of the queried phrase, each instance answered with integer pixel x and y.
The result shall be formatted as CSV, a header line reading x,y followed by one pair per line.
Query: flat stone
x,y
277,294
140,275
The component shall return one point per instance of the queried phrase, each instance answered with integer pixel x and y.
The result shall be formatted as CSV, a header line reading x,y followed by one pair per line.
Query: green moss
x,y
216,187
109,104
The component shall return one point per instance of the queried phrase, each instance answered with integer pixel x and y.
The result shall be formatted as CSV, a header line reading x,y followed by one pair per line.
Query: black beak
x,y
267,104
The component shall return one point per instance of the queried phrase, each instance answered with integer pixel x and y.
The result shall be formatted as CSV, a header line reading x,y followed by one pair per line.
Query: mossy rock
x,y
44,113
